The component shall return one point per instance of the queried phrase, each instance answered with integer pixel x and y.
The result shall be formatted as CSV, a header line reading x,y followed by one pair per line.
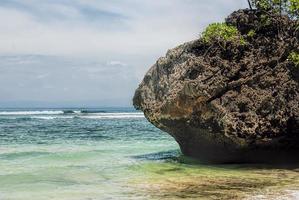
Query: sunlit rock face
x,y
232,103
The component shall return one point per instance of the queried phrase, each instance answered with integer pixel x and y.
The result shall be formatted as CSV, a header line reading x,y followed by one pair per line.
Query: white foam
x,y
44,112
50,117
113,116
294,194
59,114
117,114
43,117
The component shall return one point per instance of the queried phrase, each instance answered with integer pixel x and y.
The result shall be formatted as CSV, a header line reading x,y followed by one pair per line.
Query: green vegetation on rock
x,y
294,7
288,7
265,20
251,33
222,32
294,57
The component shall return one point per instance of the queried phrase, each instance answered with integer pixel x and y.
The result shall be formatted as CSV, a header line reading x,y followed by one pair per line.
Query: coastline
x,y
100,155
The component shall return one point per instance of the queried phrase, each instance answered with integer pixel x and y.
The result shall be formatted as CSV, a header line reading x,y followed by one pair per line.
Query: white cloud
x,y
95,48
146,26
116,63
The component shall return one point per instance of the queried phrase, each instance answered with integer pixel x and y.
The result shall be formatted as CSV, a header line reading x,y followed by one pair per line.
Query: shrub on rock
x,y
222,32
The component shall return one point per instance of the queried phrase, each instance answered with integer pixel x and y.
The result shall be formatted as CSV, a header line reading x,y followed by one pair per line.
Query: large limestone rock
x,y
229,103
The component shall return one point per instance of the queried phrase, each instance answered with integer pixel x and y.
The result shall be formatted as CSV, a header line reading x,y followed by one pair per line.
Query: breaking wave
x,y
69,114
44,112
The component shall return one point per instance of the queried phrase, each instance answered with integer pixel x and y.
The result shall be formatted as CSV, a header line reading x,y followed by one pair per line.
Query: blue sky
x,y
91,52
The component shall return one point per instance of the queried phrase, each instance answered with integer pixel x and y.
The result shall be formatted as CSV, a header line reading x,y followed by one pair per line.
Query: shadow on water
x,y
163,155
177,156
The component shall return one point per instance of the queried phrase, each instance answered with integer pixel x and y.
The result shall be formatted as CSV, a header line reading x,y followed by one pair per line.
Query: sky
x,y
92,53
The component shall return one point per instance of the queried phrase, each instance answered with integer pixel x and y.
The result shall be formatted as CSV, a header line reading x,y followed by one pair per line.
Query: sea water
x,y
115,153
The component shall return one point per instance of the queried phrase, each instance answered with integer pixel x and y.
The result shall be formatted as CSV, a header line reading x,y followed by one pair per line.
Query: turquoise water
x,y
47,154
114,153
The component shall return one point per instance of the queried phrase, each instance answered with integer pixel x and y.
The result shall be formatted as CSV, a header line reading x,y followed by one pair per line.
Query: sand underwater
x,y
114,153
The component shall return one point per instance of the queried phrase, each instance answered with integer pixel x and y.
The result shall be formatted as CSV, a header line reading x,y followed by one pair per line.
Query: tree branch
x,y
249,4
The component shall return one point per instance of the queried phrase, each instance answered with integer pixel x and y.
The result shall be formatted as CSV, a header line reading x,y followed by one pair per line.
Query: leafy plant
x,y
294,7
294,57
222,32
251,33
265,20
288,7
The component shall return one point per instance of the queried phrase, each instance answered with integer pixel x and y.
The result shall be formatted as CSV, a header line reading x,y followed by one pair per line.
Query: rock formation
x,y
229,102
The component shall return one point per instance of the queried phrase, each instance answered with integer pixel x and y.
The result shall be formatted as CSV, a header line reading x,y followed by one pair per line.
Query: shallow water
x,y
115,153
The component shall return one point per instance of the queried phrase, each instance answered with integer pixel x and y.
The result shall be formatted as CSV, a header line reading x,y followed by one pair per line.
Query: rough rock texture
x,y
226,102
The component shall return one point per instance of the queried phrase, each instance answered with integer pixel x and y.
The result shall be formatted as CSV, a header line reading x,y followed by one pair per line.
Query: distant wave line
x,y
112,116
89,117
48,112
61,112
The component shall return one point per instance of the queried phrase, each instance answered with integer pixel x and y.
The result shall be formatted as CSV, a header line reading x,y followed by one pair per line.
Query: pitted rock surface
x,y
227,102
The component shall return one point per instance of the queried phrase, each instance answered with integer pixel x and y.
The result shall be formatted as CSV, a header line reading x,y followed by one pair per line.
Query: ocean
x,y
115,153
